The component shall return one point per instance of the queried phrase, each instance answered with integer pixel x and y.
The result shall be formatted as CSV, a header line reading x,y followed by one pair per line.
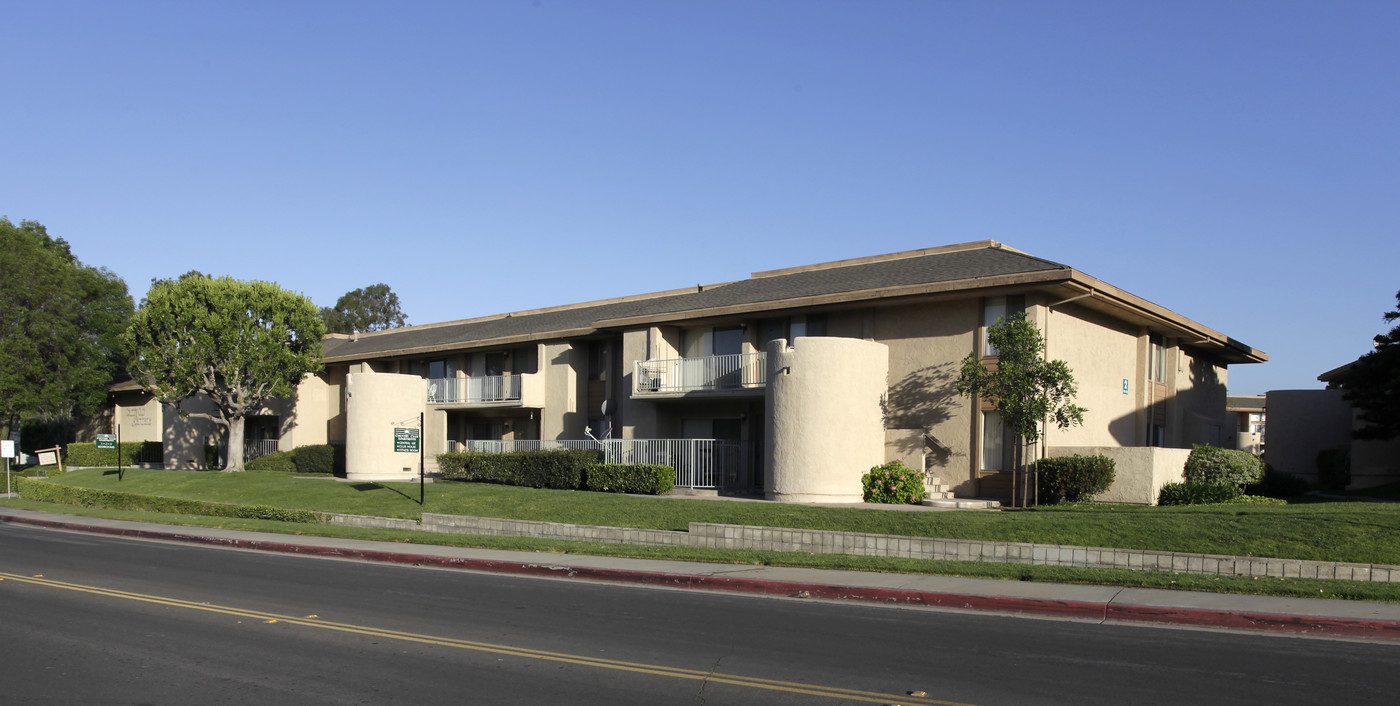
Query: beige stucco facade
x,y
825,427
871,376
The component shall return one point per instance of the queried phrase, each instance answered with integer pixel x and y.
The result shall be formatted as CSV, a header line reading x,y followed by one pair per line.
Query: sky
x,y
1237,162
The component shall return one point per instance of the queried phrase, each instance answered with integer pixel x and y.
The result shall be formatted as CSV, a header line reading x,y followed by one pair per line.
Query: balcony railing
x,y
705,373
485,388
699,463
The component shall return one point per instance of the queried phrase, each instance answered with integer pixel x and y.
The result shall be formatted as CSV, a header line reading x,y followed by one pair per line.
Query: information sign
x,y
106,441
406,440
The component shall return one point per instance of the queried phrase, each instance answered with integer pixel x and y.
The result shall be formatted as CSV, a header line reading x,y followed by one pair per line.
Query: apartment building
x,y
788,384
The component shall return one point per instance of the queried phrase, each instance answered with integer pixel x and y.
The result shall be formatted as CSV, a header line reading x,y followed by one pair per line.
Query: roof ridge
x,y
903,255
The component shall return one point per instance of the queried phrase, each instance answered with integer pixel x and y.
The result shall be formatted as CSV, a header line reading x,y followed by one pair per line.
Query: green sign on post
x,y
106,441
406,440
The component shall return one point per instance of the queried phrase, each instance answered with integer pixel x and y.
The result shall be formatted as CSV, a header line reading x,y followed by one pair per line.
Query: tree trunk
x,y
235,445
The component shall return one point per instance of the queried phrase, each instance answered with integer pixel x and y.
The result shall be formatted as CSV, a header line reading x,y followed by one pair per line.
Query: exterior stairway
x,y
938,497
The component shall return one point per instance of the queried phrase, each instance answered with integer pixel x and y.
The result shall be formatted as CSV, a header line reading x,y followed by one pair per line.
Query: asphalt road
x,y
91,619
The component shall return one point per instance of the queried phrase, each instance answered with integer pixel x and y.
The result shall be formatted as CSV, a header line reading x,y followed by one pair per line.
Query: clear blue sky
x,y
1237,162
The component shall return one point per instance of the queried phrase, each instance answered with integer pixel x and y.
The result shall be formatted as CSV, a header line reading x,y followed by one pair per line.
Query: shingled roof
x,y
921,272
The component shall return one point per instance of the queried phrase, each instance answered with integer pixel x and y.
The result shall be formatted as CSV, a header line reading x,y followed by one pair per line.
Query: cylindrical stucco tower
x,y
375,405
825,422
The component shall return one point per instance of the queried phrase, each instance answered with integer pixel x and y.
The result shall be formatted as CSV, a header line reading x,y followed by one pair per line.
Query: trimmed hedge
x,y
275,461
1208,464
1198,493
312,460
318,459
1073,478
557,470
1278,485
87,453
636,478
44,491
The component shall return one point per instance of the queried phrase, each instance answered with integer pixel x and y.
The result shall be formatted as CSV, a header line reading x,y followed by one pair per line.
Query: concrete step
x,y
961,503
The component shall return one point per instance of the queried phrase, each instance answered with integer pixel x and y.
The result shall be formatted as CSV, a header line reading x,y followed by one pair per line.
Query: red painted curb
x,y
1312,625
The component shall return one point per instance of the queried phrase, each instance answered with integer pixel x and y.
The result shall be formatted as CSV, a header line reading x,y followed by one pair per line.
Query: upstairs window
x,y
995,309
1156,361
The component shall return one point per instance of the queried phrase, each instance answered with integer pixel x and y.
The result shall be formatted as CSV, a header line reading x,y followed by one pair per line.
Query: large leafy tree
x,y
1028,389
59,326
1372,384
238,343
372,308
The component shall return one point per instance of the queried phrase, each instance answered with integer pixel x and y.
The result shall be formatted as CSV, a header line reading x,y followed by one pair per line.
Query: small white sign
x,y
7,449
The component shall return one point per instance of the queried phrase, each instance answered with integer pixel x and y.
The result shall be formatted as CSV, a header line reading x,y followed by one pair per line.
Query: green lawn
x,y
1363,532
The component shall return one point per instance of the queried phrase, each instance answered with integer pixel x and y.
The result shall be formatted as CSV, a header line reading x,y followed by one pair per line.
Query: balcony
x,y
518,390
711,373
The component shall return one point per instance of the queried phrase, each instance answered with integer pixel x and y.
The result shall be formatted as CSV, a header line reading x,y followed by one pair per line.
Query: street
x,y
106,620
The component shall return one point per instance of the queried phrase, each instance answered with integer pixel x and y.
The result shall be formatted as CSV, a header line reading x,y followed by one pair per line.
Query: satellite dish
x,y
607,408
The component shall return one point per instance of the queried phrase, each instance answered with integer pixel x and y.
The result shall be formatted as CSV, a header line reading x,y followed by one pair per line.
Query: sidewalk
x,y
1305,616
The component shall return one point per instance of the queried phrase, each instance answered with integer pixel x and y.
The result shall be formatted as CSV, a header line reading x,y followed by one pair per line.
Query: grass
x,y
1295,588
1338,531
1358,532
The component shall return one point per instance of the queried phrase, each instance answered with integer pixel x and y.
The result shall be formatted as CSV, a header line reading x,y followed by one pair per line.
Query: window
x,y
809,325
1156,361
993,442
994,309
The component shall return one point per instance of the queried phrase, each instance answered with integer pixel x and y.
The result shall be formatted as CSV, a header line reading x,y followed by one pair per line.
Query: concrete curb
x,y
1106,611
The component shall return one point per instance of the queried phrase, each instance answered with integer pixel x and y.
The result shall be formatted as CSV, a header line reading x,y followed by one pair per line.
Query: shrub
x,y
1073,478
275,461
893,483
638,478
132,453
44,491
1255,500
37,433
1208,464
318,459
1334,468
1197,493
559,470
1278,485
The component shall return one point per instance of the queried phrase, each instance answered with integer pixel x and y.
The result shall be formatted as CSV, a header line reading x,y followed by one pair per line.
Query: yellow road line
x,y
582,660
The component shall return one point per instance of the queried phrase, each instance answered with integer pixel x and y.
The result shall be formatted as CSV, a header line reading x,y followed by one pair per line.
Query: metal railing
x,y
699,463
483,388
502,447
253,448
710,372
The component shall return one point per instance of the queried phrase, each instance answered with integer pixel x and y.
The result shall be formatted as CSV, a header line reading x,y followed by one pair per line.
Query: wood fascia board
x,y
1183,327
461,345
969,286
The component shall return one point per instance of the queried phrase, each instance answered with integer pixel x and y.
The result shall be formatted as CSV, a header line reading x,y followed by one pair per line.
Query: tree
x,y
1372,384
238,343
1028,389
372,308
60,321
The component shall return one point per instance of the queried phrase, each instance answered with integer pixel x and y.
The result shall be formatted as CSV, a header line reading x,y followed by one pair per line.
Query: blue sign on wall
x,y
1125,386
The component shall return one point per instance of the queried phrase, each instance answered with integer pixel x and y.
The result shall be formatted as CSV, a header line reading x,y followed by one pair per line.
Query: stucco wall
x,y
565,392
376,404
1102,353
926,343
824,426
636,418
1302,423
1139,472
141,417
1200,401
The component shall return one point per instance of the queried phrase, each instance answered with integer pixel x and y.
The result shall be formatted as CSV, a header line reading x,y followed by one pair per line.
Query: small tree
x,y
372,308
1028,389
239,343
1372,384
